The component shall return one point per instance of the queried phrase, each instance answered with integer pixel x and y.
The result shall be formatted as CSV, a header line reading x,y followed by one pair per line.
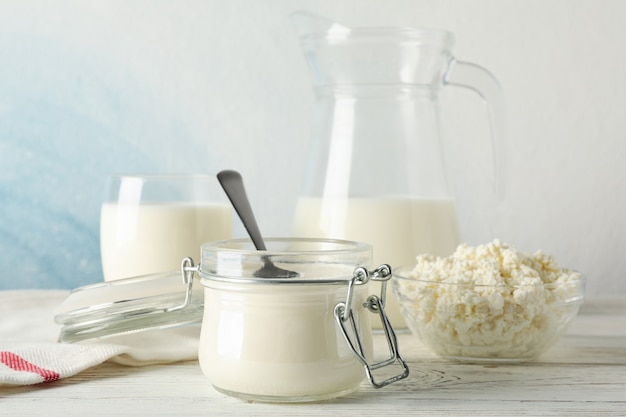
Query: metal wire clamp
x,y
375,304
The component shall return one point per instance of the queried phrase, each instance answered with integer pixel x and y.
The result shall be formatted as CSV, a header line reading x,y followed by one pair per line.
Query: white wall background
x,y
93,87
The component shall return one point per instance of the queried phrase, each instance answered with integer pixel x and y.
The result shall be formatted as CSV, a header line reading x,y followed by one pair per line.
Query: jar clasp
x,y
375,304
187,269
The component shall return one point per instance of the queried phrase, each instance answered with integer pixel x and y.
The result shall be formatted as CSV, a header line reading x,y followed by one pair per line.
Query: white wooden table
x,y
583,375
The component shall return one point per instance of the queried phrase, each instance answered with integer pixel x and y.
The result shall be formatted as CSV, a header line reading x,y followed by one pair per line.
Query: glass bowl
x,y
487,323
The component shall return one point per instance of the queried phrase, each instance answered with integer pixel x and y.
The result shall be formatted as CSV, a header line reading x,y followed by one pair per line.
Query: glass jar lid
x,y
130,305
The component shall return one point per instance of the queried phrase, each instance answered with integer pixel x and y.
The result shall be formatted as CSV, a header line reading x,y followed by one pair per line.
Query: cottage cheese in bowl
x,y
488,303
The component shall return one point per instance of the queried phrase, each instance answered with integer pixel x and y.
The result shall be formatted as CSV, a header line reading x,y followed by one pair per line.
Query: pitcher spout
x,y
341,55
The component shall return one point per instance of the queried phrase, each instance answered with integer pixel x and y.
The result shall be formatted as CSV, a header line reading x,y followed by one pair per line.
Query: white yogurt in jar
x,y
288,339
280,342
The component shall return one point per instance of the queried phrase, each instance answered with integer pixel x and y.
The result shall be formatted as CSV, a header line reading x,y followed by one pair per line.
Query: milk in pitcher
x,y
398,228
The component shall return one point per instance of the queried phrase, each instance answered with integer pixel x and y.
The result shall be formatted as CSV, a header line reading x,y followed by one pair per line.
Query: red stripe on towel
x,y
18,363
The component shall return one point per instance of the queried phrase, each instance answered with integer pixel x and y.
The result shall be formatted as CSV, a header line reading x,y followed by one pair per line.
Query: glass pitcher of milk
x,y
376,169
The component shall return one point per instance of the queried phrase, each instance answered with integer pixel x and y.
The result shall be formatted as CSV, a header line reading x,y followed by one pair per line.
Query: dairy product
x,y
489,302
138,239
277,340
397,228
280,342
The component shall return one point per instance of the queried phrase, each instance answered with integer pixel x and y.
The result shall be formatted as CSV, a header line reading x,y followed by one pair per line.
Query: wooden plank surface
x,y
583,375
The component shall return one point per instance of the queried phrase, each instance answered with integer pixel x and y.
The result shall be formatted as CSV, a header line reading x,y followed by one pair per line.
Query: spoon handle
x,y
232,183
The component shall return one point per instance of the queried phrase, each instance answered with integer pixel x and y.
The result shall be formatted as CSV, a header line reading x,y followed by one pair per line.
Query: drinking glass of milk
x,y
148,223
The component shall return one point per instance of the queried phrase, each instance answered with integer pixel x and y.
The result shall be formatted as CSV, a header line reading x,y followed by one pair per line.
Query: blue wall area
x,y
69,116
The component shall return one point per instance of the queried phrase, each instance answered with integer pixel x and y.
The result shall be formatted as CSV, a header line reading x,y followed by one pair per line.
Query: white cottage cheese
x,y
489,301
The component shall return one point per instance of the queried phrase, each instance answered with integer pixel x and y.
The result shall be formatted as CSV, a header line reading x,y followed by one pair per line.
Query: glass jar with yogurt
x,y
305,337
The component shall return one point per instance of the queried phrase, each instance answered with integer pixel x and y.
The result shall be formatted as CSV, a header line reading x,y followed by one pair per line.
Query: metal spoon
x,y
232,183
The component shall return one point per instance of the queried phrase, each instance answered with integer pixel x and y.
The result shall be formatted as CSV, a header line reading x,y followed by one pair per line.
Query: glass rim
x,y
347,246
401,34
300,250
400,273
120,175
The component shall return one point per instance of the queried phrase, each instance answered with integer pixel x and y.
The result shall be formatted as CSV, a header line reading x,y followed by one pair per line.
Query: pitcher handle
x,y
481,81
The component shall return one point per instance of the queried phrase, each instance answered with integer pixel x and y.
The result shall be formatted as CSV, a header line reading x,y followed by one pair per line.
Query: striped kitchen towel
x,y
29,353
26,364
